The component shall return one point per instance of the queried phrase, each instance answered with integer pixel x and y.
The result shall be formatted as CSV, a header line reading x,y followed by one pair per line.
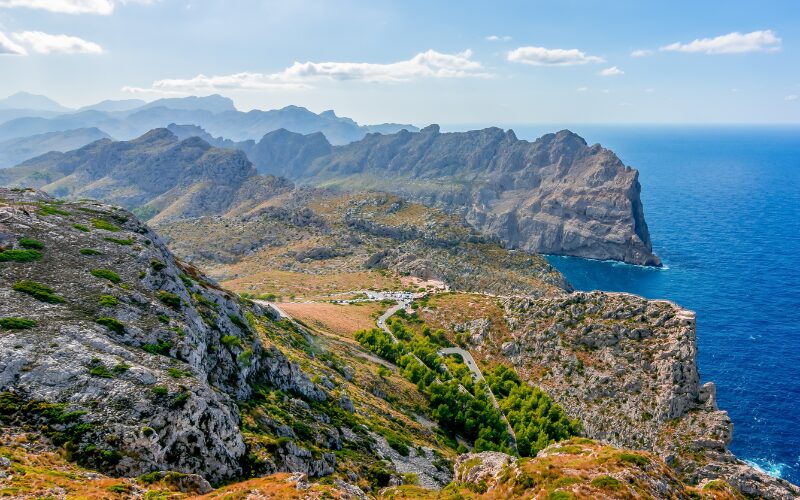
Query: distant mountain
x,y
25,100
155,174
215,114
213,103
112,105
15,151
556,195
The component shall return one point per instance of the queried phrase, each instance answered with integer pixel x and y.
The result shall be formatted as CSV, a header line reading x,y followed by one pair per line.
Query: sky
x,y
566,61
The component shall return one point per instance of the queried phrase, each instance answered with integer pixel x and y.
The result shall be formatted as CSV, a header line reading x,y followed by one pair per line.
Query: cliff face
x,y
556,195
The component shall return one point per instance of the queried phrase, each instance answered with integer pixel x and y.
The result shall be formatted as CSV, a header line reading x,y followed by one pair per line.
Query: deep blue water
x,y
723,207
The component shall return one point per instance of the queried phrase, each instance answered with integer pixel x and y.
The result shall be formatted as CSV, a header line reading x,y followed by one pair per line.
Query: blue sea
x,y
723,208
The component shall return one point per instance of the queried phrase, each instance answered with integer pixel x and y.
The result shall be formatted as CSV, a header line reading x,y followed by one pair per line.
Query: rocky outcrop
x,y
556,195
627,368
129,358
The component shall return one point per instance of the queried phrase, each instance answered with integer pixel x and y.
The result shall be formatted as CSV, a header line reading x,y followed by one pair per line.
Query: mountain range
x,y
23,115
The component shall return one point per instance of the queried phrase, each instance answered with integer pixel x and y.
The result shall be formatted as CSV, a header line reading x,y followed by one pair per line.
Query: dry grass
x,y
340,319
288,284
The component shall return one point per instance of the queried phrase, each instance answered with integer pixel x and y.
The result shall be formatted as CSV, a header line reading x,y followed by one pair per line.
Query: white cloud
x,y
45,43
8,47
791,97
582,89
732,43
429,64
540,56
649,91
102,7
612,71
498,38
641,53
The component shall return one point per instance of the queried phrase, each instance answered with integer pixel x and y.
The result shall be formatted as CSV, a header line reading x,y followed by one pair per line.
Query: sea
x,y
723,207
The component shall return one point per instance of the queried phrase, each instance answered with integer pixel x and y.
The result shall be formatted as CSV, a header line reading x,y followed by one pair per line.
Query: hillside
x,y
16,151
155,175
116,356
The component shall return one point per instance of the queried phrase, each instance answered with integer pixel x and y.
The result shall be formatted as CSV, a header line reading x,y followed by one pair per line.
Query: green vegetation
x,y
38,291
100,370
112,324
236,320
144,212
106,274
120,368
102,224
170,299
634,458
119,241
16,323
108,300
160,390
20,255
81,227
51,210
459,404
162,347
178,373
537,421
606,483
157,265
231,341
90,251
30,244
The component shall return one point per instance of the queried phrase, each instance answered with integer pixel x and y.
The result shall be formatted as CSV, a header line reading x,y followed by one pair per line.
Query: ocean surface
x,y
723,208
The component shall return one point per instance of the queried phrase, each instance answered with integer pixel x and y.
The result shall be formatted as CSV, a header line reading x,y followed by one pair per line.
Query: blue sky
x,y
563,61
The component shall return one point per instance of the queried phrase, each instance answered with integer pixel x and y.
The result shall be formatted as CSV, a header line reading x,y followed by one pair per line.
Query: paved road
x,y
386,315
283,314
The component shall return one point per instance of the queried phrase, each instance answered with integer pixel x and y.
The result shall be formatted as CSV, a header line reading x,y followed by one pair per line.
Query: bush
x,y
81,227
100,370
108,300
38,291
177,373
16,323
157,265
606,483
231,340
169,299
112,324
20,255
30,244
102,224
106,274
121,368
633,458
90,251
160,390
162,347
119,241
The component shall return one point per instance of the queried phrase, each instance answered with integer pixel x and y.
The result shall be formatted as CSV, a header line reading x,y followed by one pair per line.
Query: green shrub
x,y
81,227
169,299
49,210
634,458
90,251
38,291
236,320
161,347
160,390
106,274
157,265
108,300
177,373
30,244
231,340
606,483
102,224
16,323
112,324
100,370
119,488
119,241
20,255
120,368
181,399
